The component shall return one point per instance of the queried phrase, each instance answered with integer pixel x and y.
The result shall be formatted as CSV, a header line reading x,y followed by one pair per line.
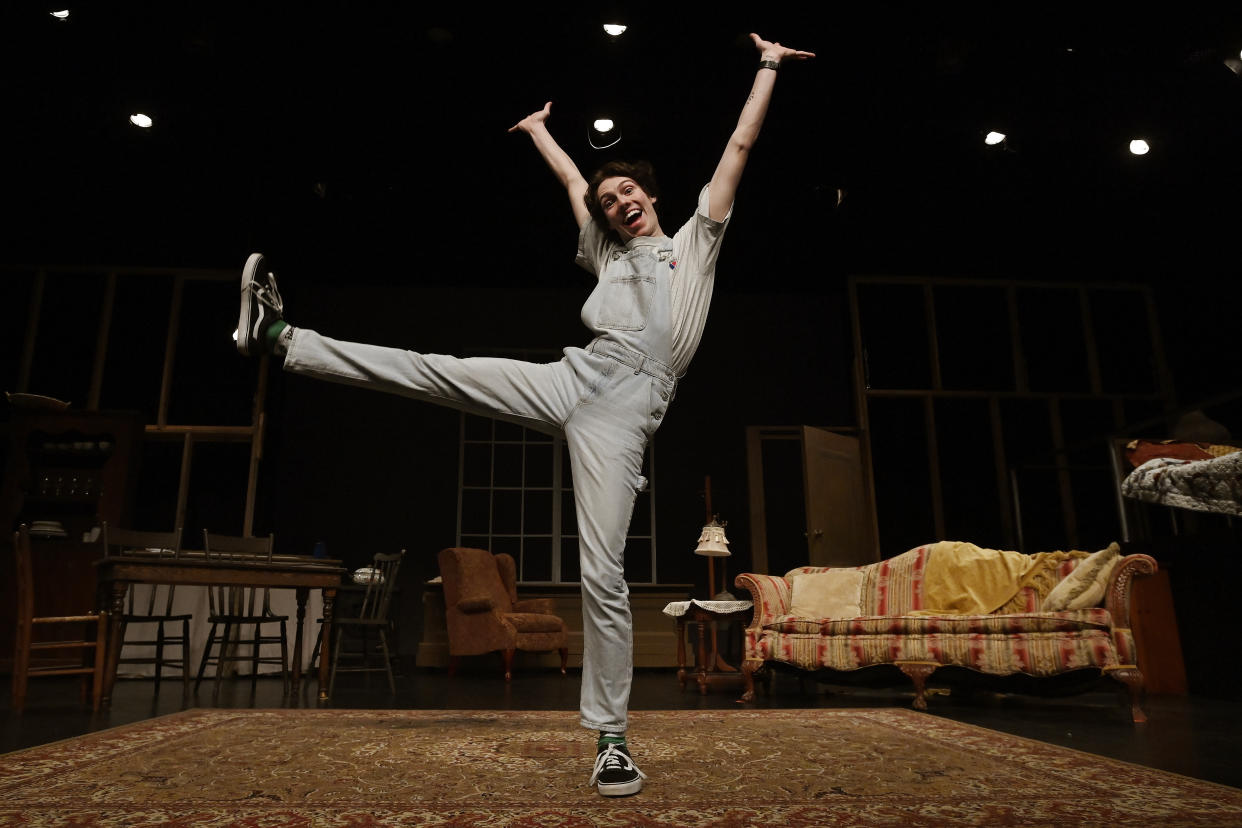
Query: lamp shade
x,y
712,541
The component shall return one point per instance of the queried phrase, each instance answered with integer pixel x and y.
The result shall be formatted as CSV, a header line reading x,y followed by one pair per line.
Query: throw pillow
x,y
1084,587
832,594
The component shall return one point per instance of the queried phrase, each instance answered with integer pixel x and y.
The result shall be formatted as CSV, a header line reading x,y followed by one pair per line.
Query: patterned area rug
x,y
706,768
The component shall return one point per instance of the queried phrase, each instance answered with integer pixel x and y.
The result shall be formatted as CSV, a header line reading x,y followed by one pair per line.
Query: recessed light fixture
x,y
140,120
1139,147
614,29
63,14
993,138
603,125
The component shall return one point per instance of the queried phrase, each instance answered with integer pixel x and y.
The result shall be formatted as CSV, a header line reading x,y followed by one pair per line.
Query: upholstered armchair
x,y
483,614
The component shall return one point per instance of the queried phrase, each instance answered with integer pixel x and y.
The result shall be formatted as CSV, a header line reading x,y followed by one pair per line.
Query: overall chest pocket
x,y
627,292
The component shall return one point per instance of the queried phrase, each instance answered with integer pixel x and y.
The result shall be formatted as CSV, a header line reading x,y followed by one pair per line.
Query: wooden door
x,y
834,514
839,526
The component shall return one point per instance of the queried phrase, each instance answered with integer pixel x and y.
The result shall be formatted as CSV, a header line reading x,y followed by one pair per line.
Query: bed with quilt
x,y
1204,477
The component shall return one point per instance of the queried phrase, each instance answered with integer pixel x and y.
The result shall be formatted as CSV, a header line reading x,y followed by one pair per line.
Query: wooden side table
x,y
710,667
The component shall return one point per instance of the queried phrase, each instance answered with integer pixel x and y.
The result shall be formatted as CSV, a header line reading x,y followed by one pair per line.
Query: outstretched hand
x,y
777,52
528,123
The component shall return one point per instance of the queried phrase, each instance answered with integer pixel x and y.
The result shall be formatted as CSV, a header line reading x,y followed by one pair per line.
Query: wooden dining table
x,y
115,574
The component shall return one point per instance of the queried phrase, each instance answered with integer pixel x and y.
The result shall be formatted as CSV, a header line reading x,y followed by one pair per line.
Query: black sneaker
x,y
261,305
615,772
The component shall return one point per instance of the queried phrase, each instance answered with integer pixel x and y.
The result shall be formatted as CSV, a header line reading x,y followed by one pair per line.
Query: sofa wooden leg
x,y
564,651
1132,678
749,666
508,657
918,671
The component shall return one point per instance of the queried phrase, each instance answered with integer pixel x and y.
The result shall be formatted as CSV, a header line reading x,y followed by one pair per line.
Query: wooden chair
x,y
372,615
233,607
93,648
483,613
154,609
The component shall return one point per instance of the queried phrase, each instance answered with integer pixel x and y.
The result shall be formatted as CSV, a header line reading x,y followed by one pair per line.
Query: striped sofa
x,y
1017,638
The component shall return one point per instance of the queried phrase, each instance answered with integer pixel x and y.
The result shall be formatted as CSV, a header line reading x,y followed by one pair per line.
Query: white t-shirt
x,y
654,292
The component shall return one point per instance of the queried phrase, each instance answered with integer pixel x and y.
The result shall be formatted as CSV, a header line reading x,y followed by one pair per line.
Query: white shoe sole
x,y
620,788
250,306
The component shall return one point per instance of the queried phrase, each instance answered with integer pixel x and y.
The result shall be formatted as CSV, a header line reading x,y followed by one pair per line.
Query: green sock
x,y
606,739
272,334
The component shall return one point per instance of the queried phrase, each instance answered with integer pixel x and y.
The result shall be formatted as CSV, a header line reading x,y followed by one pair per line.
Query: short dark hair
x,y
642,173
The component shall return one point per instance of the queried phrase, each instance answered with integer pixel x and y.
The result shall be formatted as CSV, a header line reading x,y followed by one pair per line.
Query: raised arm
x,y
729,170
562,166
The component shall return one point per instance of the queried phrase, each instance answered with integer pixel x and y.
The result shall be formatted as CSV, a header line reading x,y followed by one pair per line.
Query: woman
x,y
647,313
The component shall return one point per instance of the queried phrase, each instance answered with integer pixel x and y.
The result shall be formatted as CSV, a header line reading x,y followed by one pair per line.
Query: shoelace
x,y
269,294
613,759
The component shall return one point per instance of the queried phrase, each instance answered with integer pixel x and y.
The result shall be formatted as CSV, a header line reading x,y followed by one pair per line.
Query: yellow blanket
x,y
964,579
1041,577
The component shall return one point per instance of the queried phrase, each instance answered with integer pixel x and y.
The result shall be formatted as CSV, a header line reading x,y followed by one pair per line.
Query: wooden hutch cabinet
x,y
64,473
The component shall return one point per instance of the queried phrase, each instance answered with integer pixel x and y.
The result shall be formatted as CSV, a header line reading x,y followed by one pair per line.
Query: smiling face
x,y
628,208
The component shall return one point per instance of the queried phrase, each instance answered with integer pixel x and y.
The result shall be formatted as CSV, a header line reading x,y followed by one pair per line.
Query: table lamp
x,y
713,544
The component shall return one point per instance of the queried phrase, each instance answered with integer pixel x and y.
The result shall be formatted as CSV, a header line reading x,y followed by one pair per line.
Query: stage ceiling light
x,y
63,14
140,120
993,138
614,29
1139,147
603,133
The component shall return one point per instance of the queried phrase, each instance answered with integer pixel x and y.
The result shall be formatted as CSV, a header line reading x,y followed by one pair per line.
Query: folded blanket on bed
x,y
1139,452
1202,485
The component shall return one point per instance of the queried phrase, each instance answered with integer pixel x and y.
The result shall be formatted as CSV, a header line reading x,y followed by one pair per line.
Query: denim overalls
x,y
607,399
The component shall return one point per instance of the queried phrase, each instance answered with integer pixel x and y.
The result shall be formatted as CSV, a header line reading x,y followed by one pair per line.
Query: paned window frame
x,y
479,435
